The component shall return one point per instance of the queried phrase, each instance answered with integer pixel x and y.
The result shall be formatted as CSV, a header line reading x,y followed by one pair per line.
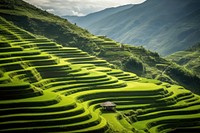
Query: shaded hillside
x,y
189,58
165,26
45,87
89,19
133,59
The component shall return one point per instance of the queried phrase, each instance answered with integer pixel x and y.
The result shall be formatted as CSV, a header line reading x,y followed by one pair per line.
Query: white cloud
x,y
79,7
50,10
74,13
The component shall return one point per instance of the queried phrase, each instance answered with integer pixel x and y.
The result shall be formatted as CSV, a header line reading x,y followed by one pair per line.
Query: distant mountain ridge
x,y
89,19
165,26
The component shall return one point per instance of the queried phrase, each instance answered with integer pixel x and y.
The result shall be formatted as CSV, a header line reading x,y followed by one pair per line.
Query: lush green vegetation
x,y
190,59
133,59
46,87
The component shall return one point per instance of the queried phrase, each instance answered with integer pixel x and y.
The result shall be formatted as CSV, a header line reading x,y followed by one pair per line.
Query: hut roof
x,y
108,104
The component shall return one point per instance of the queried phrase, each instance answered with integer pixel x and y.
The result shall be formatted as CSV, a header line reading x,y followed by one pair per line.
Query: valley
x,y
161,26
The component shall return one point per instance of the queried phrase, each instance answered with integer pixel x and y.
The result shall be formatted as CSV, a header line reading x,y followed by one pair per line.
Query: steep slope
x,y
46,87
41,22
133,59
87,20
189,58
165,26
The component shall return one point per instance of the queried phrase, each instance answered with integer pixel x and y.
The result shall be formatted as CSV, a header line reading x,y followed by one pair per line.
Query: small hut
x,y
108,106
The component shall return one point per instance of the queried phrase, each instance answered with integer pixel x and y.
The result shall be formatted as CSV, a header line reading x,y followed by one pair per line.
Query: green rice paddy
x,y
46,87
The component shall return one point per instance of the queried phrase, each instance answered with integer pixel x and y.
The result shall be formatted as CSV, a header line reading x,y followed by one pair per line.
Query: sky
x,y
78,7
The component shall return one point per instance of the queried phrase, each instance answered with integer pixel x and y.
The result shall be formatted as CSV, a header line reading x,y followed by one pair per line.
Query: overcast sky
x,y
78,7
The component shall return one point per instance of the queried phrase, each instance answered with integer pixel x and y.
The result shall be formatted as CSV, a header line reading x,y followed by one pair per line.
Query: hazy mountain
x,y
165,26
89,19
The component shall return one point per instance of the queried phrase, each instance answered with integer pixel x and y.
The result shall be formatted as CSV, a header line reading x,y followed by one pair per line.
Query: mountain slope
x,y
87,20
41,22
189,58
133,59
45,87
165,26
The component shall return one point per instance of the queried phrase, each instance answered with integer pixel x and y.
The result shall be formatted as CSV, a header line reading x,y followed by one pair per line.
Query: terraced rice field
x,y
46,87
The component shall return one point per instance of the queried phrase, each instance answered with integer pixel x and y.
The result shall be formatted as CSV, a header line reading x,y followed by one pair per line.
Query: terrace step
x,y
19,54
10,49
4,44
18,91
11,66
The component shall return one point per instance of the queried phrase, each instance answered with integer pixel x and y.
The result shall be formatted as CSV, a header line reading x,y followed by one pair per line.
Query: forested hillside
x,y
189,58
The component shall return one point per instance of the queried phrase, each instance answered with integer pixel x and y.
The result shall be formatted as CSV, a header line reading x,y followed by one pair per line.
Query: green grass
x,y
113,122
